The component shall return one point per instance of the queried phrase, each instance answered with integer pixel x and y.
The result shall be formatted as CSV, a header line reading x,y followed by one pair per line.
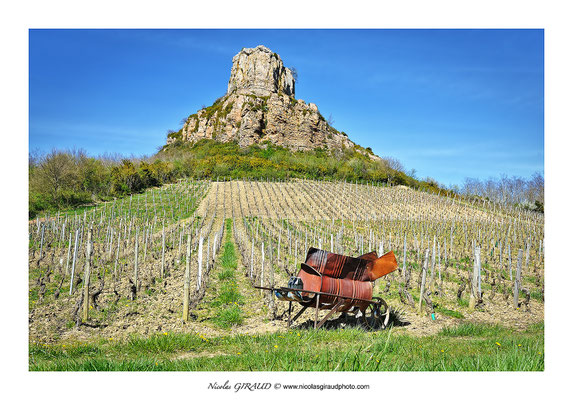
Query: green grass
x,y
450,313
473,330
226,275
229,316
229,299
229,258
228,294
536,294
463,302
467,347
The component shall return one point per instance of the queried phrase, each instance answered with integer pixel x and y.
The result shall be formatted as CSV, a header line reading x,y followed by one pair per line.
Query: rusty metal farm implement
x,y
329,281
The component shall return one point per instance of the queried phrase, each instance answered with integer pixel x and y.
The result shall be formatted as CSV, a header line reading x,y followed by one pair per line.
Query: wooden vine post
x,y
87,277
69,254
42,240
252,255
262,263
186,286
163,252
117,255
271,277
404,260
74,262
475,286
423,285
516,282
200,262
433,268
135,270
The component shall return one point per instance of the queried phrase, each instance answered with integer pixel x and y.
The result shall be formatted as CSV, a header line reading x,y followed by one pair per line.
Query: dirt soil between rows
x,y
160,311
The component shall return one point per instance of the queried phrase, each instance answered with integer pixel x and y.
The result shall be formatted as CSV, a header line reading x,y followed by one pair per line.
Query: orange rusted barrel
x,y
345,287
367,267
345,276
337,265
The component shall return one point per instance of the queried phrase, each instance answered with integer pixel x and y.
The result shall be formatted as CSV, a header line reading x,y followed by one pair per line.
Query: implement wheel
x,y
376,315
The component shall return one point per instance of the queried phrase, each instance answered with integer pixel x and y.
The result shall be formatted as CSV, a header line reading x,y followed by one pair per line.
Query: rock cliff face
x,y
260,106
261,72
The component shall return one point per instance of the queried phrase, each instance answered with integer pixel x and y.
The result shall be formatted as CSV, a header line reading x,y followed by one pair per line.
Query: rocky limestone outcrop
x,y
260,106
261,72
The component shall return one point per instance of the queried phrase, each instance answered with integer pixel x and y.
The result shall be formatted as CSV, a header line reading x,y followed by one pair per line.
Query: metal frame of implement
x,y
372,322
345,284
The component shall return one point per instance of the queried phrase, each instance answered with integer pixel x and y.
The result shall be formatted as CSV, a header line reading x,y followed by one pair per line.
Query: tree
x,y
508,191
93,176
330,120
536,189
125,178
55,172
294,73
393,168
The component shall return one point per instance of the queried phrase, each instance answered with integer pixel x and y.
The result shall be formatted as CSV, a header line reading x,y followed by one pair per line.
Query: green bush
x,y
65,179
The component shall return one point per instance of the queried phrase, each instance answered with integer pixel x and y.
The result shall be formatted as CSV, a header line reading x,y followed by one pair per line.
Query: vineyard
x,y
164,260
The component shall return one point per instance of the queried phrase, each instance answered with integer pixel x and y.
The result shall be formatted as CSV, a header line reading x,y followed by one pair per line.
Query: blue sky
x,y
450,104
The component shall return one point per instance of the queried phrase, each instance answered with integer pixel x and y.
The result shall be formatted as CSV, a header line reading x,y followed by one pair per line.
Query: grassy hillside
x,y
63,179
209,158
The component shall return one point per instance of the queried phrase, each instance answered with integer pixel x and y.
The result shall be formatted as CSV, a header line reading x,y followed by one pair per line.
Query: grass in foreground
x,y
465,348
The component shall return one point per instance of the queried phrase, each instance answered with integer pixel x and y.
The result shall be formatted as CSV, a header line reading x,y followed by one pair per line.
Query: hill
x,y
260,107
210,158
63,179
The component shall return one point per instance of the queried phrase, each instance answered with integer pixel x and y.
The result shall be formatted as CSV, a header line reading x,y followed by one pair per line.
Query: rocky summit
x,y
260,107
